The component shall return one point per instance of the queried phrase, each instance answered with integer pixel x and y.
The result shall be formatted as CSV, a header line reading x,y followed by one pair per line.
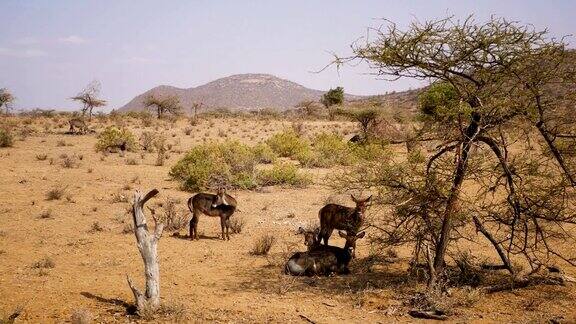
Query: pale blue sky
x,y
50,49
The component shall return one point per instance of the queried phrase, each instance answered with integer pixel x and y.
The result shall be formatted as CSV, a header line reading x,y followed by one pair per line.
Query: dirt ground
x,y
212,280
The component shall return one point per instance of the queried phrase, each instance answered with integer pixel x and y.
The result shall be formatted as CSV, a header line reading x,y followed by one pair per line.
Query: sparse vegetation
x,y
70,161
89,98
263,244
164,105
237,224
46,214
44,263
328,150
6,138
173,312
96,227
6,100
113,139
264,154
55,193
174,219
288,144
215,164
81,316
41,157
284,173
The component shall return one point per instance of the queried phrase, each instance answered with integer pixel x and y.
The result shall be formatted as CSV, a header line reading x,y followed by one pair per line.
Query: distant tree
x,y
197,106
331,98
89,98
367,119
164,105
6,100
308,107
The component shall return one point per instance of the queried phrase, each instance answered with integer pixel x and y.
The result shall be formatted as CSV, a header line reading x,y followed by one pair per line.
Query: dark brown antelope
x,y
77,125
321,259
219,205
333,216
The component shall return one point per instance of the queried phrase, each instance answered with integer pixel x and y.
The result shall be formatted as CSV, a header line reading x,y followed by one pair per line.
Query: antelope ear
x,y
300,230
342,234
360,235
368,199
316,230
353,198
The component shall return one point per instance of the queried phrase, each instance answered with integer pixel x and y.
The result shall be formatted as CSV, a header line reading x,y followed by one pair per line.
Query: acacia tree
x,y
196,106
163,105
367,119
89,98
495,85
6,100
331,98
308,107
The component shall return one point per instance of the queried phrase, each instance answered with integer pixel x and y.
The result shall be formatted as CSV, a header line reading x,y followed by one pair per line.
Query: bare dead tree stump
x,y
147,245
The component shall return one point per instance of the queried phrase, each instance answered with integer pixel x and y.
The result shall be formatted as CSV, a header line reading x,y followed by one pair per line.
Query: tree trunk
x,y
461,166
90,113
147,245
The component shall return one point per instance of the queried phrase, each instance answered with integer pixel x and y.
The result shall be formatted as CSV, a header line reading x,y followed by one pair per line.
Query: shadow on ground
x,y
128,307
200,236
271,279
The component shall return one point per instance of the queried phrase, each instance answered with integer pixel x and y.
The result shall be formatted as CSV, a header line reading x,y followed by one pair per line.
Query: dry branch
x,y
147,245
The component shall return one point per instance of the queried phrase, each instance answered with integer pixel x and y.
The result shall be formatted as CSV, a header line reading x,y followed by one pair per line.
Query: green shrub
x,y
214,164
112,138
264,154
6,138
288,143
284,174
328,150
232,164
368,152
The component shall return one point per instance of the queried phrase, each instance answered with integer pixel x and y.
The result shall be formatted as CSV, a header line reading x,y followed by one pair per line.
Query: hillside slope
x,y
241,91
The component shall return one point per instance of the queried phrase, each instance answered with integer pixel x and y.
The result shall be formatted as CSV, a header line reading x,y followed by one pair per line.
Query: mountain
x,y
241,91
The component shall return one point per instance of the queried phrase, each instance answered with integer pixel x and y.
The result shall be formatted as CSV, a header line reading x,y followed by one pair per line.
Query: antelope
x,y
333,216
77,123
320,259
219,205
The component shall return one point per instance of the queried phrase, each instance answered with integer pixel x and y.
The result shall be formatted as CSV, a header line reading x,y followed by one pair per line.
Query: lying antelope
x,y
219,205
77,125
333,216
321,259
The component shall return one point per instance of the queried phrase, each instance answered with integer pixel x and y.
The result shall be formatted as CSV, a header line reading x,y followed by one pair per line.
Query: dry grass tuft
x,y
46,214
263,244
237,224
81,316
56,193
166,312
41,157
45,263
96,227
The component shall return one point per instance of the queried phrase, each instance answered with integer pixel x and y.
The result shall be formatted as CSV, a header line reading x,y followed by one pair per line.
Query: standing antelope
x,y
219,205
79,124
320,259
333,216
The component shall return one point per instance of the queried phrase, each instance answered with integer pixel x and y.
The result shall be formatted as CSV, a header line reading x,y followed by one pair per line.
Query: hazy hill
x,y
241,91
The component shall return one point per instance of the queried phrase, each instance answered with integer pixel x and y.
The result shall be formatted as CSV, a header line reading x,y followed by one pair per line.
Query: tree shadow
x,y
271,279
129,308
201,237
